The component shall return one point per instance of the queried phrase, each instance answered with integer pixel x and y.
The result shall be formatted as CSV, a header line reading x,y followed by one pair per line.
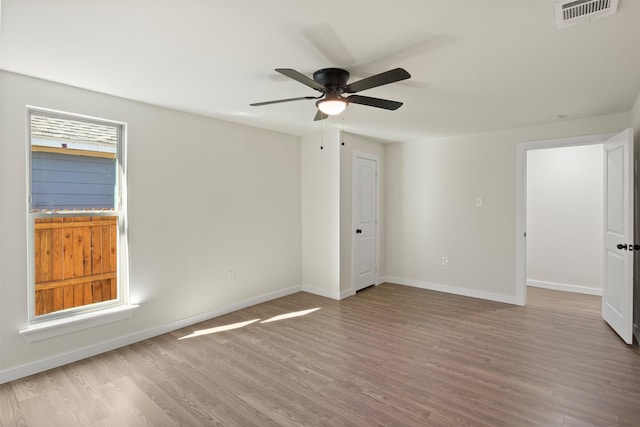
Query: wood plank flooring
x,y
391,356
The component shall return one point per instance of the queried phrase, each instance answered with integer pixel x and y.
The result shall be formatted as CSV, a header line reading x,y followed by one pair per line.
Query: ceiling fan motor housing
x,y
333,79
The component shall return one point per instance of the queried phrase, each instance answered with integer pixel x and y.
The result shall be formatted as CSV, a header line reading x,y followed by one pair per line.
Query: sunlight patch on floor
x,y
219,329
291,315
239,325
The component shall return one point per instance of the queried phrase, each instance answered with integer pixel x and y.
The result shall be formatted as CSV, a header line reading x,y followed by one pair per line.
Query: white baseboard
x,y
31,368
346,294
321,292
350,292
564,287
491,296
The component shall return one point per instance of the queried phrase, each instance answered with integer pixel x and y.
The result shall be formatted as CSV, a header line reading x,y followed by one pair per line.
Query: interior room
x,y
190,236
564,219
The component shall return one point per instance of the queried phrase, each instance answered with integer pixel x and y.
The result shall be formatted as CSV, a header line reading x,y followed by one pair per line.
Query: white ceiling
x,y
476,65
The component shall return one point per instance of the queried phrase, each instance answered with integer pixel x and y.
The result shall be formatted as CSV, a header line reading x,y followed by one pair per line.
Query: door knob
x,y
358,231
630,246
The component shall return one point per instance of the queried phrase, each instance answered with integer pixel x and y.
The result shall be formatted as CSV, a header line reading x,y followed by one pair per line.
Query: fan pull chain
x,y
321,134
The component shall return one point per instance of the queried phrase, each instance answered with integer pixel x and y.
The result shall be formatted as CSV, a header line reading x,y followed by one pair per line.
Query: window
x,y
76,216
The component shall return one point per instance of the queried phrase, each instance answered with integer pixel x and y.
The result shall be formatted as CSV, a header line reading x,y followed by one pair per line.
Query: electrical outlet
x,y
231,275
445,260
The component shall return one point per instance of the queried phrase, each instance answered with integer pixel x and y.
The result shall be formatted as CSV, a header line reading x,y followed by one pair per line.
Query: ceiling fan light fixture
x,y
332,106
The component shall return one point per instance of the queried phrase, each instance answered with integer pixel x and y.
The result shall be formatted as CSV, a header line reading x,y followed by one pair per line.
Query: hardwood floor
x,y
391,355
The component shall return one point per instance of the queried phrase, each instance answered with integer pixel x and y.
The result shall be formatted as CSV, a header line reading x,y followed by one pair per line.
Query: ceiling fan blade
x,y
387,77
257,104
374,102
320,116
326,41
405,49
299,77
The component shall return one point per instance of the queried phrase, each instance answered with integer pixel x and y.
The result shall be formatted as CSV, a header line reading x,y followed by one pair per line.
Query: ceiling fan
x,y
332,84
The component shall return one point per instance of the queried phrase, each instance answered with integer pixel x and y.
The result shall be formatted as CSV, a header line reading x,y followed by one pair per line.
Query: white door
x,y
617,292
364,214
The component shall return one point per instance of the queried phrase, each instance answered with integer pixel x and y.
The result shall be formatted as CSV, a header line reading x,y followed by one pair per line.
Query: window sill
x,y
53,328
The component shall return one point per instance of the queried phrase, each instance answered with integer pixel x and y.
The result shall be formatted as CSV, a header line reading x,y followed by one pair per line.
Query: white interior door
x,y
617,292
364,214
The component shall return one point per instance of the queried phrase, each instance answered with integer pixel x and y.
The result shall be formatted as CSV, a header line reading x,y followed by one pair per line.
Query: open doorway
x,y
564,218
618,226
523,150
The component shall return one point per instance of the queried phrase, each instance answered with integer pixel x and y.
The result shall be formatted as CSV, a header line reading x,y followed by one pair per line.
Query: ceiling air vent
x,y
573,12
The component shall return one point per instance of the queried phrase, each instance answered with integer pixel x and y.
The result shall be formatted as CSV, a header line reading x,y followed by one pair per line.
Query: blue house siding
x,y
60,181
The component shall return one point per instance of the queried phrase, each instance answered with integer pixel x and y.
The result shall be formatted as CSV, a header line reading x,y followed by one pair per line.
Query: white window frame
x,y
75,318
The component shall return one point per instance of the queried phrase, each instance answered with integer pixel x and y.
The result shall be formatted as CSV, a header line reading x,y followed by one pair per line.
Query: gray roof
x,y
72,130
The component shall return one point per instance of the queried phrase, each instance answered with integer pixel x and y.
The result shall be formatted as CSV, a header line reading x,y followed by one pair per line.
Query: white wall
x,y
430,189
321,213
564,218
205,197
356,143
326,211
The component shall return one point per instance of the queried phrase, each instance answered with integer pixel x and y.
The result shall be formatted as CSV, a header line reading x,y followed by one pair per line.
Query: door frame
x,y
354,194
521,198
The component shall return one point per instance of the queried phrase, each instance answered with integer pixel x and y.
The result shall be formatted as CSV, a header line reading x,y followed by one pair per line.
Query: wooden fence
x,y
75,262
